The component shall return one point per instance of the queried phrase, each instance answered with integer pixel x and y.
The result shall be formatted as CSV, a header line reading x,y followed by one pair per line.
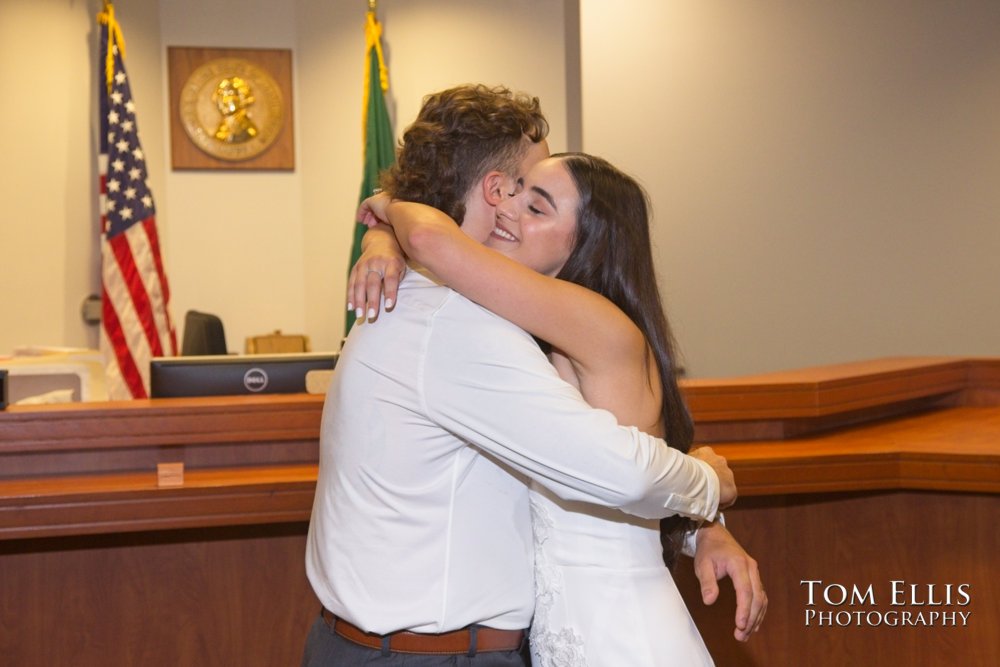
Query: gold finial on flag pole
x,y
373,39
114,38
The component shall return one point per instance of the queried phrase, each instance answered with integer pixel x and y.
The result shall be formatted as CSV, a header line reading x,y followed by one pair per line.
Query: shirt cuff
x,y
698,506
690,544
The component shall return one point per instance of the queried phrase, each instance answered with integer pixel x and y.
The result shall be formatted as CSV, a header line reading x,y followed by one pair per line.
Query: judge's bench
x,y
867,490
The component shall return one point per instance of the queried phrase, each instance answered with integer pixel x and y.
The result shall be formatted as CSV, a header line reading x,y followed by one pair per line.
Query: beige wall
x,y
48,214
824,174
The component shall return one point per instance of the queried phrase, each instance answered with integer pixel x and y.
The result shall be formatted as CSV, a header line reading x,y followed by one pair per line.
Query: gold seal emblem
x,y
231,109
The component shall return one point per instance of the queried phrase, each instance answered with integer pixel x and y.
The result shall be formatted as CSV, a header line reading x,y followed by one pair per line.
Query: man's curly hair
x,y
459,136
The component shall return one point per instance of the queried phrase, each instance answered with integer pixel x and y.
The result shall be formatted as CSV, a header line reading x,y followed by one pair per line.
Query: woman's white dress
x,y
603,597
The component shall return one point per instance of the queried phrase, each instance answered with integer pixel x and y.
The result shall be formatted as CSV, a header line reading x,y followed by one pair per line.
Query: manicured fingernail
x,y
371,313
359,313
388,303
350,306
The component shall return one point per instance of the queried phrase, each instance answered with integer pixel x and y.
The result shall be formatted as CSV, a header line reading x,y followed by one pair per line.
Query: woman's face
x,y
537,226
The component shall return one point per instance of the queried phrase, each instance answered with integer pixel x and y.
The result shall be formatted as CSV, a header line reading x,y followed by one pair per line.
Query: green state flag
x,y
379,143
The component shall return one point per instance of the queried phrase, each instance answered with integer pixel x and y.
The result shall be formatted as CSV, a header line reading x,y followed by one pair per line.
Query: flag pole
x,y
135,315
115,36
377,138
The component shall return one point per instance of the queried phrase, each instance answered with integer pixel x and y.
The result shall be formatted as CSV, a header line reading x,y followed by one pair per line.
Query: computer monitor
x,y
203,334
226,375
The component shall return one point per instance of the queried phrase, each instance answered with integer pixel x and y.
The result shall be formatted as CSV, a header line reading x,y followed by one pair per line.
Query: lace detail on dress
x,y
551,647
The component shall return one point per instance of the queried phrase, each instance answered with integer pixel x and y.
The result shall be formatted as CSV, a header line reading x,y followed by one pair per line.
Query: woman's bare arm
x,y
584,325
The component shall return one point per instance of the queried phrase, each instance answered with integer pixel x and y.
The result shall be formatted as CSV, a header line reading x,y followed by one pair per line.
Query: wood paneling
x,y
860,539
854,474
218,596
102,504
797,403
164,421
954,449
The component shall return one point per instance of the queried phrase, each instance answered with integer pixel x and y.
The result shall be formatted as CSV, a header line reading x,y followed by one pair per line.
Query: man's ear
x,y
495,187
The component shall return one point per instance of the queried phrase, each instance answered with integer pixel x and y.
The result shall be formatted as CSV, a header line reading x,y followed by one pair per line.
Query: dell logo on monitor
x,y
255,379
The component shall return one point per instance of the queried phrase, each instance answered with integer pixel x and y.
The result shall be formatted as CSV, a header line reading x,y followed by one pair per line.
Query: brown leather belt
x,y
457,642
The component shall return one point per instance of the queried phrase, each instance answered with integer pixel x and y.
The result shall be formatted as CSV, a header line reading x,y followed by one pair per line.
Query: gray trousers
x,y
325,648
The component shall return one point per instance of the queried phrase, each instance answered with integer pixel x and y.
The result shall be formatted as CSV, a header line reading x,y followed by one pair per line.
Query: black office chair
x,y
203,334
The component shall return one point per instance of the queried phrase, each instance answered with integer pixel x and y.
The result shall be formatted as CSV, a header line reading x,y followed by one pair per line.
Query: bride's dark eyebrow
x,y
548,197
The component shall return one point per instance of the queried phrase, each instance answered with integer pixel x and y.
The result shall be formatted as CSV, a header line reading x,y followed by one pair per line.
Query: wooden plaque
x,y
231,108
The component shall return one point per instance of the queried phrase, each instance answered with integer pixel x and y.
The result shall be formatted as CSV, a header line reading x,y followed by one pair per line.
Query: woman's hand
x,y
727,483
372,210
380,268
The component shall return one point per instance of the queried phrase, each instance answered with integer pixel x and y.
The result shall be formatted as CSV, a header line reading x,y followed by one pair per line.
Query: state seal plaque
x,y
231,108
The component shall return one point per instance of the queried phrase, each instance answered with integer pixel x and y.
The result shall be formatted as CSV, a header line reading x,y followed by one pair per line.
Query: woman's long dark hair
x,y
612,256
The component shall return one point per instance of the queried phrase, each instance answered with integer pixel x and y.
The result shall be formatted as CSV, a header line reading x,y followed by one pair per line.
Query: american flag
x,y
135,318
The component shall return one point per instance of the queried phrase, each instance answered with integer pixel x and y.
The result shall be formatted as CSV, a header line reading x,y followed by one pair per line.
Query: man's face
x,y
479,222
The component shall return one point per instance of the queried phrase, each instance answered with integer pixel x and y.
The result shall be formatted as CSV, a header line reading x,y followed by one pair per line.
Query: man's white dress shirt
x,y
436,416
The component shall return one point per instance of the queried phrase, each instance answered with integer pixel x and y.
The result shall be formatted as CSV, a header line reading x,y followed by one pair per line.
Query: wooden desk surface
x,y
951,449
